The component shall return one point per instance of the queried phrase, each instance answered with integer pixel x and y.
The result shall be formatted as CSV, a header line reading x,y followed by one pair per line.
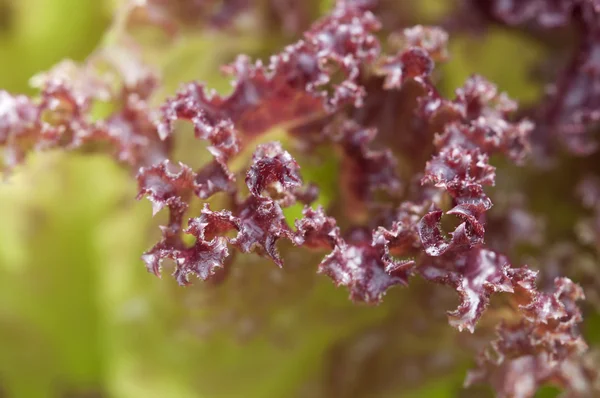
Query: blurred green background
x,y
79,315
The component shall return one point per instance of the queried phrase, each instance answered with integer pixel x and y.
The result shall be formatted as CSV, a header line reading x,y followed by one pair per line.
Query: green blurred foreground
x,y
79,315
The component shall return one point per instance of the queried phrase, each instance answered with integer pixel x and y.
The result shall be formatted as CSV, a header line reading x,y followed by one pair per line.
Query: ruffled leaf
x,y
261,224
475,276
362,269
272,169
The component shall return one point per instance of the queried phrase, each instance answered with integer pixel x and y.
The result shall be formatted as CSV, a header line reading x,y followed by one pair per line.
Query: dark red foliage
x,y
419,47
570,110
132,134
62,117
475,275
410,160
261,225
213,178
367,263
545,346
18,120
461,167
402,239
204,256
462,173
193,104
316,230
434,241
431,39
483,121
272,169
413,63
164,186
365,268
210,250
364,171
295,85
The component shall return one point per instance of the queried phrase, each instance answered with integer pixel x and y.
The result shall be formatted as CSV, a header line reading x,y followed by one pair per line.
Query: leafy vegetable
x,y
413,196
